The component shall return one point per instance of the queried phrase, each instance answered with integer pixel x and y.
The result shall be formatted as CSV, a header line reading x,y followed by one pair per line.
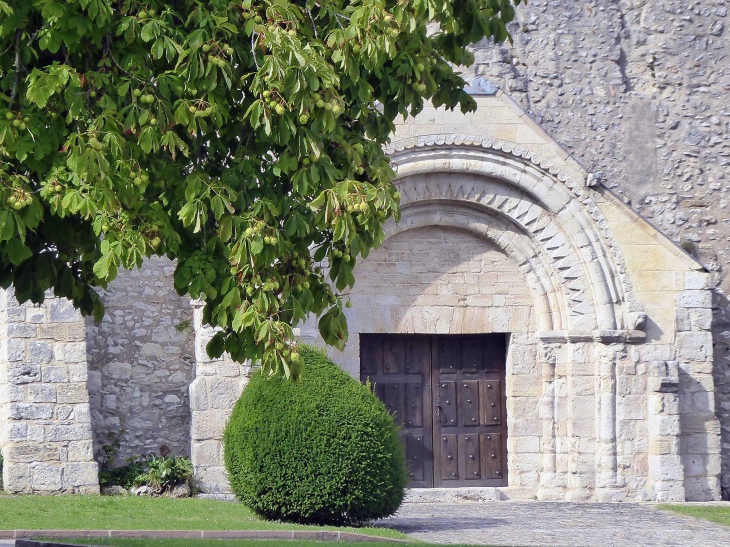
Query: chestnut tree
x,y
242,138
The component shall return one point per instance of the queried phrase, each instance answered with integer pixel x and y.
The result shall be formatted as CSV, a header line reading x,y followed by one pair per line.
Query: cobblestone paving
x,y
544,523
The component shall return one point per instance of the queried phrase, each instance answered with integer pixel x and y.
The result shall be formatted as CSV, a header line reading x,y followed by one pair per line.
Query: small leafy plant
x,y
166,472
161,473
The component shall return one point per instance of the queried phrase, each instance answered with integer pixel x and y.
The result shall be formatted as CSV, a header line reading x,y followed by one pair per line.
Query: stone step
x,y
451,495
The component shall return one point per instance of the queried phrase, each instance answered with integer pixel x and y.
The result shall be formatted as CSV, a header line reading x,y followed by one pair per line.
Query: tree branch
x,y
14,92
314,26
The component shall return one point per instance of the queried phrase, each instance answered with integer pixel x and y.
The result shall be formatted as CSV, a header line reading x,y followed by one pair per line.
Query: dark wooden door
x,y
400,369
470,426
447,394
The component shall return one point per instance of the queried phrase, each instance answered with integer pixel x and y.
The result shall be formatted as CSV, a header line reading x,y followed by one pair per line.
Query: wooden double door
x,y
447,393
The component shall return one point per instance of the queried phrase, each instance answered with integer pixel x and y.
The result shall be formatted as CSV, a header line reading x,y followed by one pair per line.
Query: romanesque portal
x,y
604,390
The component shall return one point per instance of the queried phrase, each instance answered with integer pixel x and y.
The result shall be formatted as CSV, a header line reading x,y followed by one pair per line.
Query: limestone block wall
x,y
213,394
141,362
45,422
676,294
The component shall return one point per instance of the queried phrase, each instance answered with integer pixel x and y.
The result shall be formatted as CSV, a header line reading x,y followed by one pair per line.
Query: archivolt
x,y
553,212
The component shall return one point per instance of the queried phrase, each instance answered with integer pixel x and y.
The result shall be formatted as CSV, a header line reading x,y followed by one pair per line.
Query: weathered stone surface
x,y
181,491
23,373
114,491
141,359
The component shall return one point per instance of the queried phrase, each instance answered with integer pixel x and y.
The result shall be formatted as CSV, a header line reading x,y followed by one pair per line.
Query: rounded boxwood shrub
x,y
321,450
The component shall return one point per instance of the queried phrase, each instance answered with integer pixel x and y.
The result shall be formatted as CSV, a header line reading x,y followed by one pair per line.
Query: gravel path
x,y
545,523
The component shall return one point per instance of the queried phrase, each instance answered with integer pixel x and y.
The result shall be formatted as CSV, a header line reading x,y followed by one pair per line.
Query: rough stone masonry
x,y
636,92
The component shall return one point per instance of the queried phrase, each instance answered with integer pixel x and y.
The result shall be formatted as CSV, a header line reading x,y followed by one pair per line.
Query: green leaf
x,y
17,252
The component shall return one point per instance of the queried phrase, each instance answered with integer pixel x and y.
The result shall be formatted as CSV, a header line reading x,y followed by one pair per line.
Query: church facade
x,y
531,333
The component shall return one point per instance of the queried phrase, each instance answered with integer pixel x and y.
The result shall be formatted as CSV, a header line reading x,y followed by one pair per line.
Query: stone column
x,y
213,394
607,479
578,402
666,472
46,437
552,486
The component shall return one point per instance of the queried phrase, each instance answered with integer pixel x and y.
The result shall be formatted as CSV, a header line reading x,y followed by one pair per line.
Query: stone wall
x,y
141,363
637,90
217,386
45,423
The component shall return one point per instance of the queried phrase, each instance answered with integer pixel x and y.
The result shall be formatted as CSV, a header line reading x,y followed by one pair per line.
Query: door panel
x,y
449,458
446,411
491,448
446,392
414,403
468,375
402,380
491,396
469,403
470,460
394,354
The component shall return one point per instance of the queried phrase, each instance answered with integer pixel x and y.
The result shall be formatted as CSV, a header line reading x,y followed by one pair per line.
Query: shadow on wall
x,y
141,363
721,376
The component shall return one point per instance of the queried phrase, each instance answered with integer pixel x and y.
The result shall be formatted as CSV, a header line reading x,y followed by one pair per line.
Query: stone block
x,y
694,346
17,478
23,373
21,330
72,352
36,433
42,393
31,452
14,432
694,299
664,425
118,370
226,390
81,474
212,480
208,425
57,433
78,373
700,319
631,407
55,374
30,411
15,349
46,477
40,352
696,280
694,465
207,454
82,413
62,311
72,393
665,467
198,394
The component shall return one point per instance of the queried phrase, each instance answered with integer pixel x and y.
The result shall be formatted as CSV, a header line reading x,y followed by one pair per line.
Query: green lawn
x,y
123,542
715,513
133,513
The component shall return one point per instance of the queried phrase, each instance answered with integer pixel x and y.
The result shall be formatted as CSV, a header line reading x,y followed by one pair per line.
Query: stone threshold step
x,y
21,537
451,495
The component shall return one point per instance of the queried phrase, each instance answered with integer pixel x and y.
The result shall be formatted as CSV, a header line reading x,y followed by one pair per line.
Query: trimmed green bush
x,y
321,450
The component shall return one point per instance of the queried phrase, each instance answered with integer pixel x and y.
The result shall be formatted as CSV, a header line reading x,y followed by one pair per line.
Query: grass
x,y
714,513
142,513
124,542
